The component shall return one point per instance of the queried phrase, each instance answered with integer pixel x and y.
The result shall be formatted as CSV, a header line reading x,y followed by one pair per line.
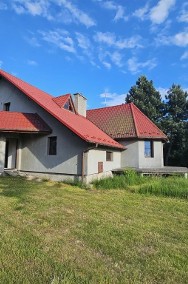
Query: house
x,y
131,128
51,137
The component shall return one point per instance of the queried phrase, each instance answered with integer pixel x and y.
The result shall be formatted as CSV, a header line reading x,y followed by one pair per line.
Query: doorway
x,y
10,153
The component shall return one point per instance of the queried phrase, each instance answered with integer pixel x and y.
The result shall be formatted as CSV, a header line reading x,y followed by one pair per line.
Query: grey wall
x,y
134,155
99,155
2,153
130,156
148,162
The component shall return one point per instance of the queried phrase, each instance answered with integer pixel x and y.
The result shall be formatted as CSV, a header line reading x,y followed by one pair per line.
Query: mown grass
x,y
56,233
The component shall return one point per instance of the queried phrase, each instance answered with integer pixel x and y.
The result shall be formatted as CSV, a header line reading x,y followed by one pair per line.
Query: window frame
x,y
52,146
149,150
109,156
6,106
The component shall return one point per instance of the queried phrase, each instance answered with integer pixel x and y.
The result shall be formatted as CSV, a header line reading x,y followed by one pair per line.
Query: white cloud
x,y
162,91
135,67
119,10
3,6
59,38
184,55
116,58
106,64
111,40
180,39
32,62
112,99
108,58
34,8
83,41
160,12
77,14
142,12
183,16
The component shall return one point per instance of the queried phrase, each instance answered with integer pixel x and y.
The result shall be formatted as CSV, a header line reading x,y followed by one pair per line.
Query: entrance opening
x,y
6,154
10,153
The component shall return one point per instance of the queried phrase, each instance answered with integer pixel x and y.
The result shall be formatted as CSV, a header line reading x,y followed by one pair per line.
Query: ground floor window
x,y
148,149
52,145
109,156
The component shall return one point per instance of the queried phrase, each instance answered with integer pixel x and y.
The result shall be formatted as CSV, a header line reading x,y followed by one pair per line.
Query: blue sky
x,y
96,47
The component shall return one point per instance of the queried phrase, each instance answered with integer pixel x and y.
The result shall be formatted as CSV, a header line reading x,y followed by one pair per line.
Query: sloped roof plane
x,y
22,122
78,124
125,121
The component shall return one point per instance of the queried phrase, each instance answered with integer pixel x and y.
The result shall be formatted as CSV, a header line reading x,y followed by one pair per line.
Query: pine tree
x,y
147,99
175,125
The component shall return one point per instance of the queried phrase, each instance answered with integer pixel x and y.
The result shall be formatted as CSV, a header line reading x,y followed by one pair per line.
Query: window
x,y
52,145
148,149
109,156
6,107
68,105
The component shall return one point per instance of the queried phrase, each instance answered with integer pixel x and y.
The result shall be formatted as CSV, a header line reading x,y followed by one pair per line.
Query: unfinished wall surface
x,y
151,162
96,156
134,155
129,157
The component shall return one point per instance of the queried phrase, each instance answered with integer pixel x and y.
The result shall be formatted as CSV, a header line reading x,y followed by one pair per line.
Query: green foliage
x,y
175,125
146,98
130,177
171,187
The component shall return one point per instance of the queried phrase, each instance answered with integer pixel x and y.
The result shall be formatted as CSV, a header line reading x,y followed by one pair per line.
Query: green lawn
x,y
57,233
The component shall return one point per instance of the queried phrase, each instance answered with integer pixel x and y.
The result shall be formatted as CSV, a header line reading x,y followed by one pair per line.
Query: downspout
x,y
84,160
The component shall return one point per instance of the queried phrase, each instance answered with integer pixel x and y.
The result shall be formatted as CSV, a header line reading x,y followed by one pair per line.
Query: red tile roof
x,y
76,123
22,122
125,121
61,100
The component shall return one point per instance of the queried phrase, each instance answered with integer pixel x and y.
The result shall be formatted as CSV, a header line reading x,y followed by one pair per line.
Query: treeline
x,y
170,114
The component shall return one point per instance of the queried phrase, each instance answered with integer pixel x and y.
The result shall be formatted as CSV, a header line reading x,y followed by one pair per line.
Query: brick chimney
x,y
80,103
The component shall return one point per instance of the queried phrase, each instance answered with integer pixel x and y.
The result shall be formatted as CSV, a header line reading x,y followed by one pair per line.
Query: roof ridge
x,y
61,96
107,107
134,119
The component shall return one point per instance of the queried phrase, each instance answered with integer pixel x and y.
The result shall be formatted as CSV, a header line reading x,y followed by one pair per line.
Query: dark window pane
x,y
6,107
109,156
52,145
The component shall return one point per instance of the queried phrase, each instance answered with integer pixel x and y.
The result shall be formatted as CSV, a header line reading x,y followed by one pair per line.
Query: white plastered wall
x,y
134,156
94,156
129,157
151,162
